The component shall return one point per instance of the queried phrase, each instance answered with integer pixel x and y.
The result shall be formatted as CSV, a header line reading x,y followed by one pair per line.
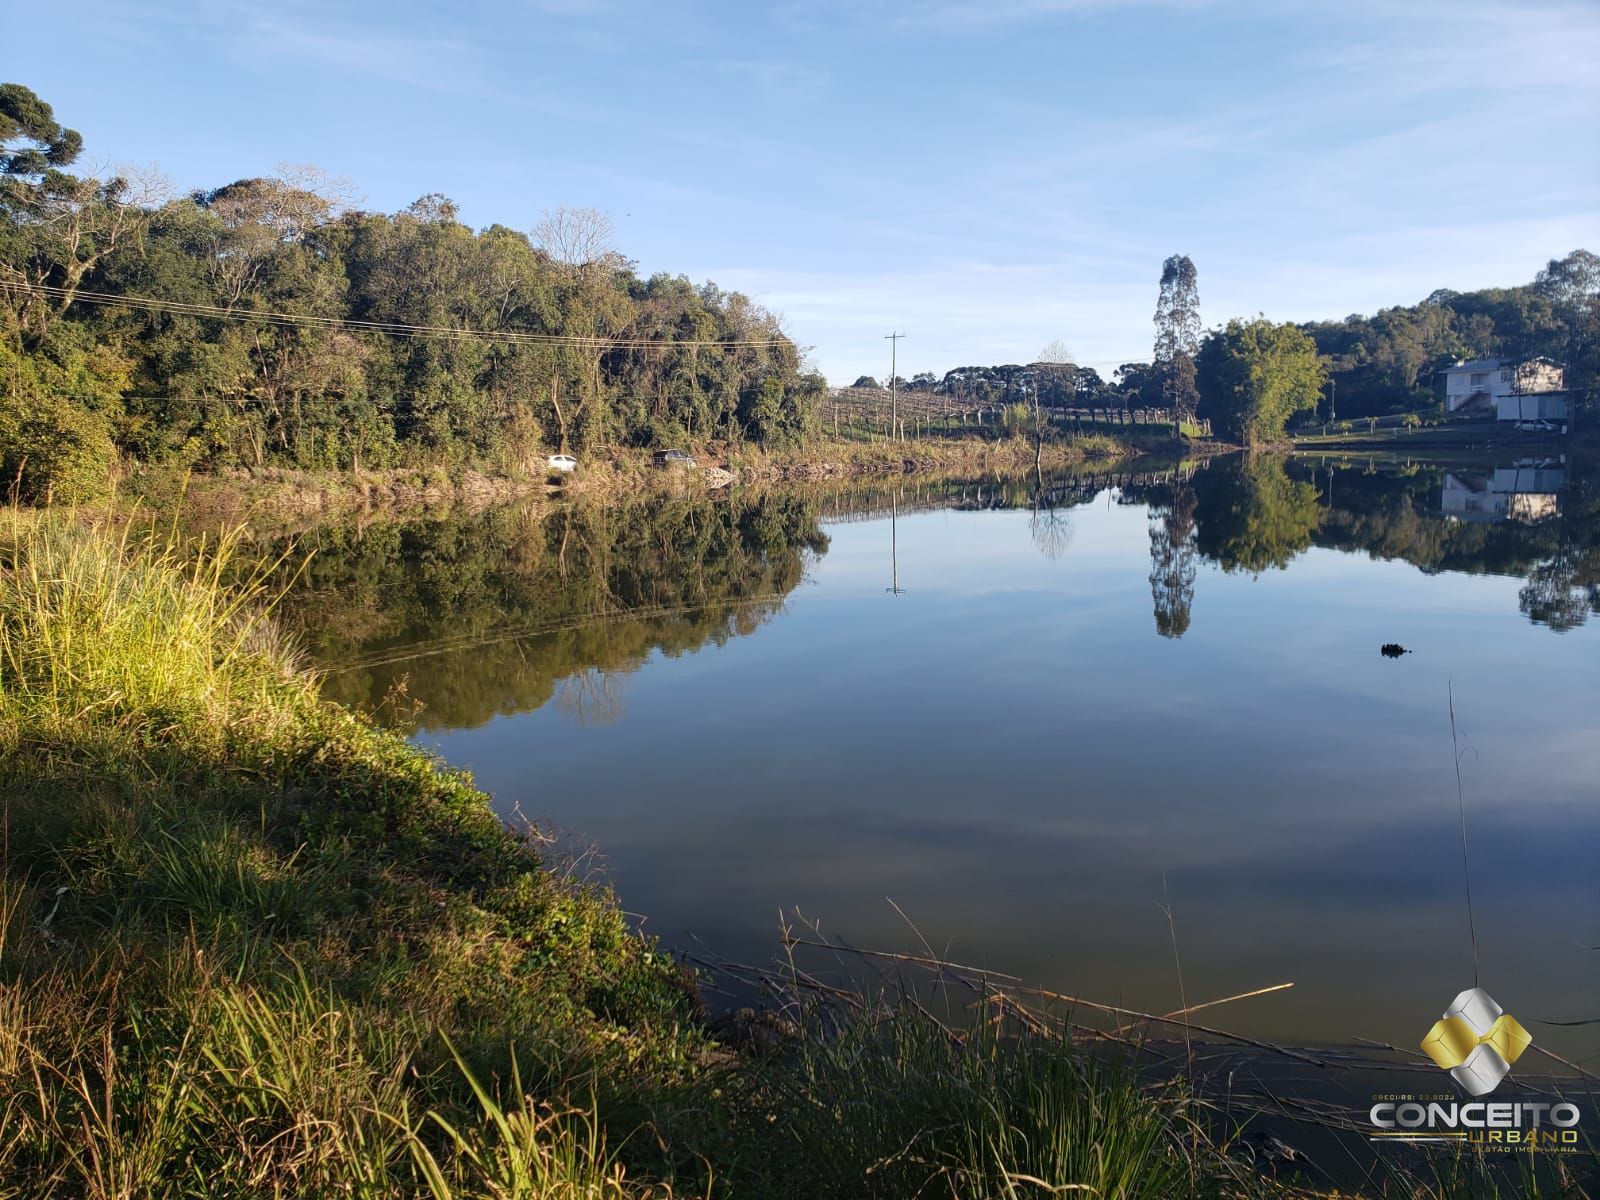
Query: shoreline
x,y
276,494
1461,439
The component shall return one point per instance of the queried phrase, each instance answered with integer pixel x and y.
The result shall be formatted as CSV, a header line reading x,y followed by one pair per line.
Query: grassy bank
x,y
239,925
847,458
280,493
252,946
977,455
1478,437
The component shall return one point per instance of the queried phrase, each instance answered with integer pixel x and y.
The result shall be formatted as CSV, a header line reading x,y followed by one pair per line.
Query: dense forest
x,y
269,322
1059,384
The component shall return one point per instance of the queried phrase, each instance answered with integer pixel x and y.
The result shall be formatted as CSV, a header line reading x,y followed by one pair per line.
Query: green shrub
x,y
52,451
1016,418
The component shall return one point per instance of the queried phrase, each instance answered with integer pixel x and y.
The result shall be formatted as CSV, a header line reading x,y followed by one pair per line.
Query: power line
x,y
391,328
403,329
381,405
291,402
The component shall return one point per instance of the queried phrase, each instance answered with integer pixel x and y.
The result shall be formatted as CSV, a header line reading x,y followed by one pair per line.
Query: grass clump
x,y
888,1102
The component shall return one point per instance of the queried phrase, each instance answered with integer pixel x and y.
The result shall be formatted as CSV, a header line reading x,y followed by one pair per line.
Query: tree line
x,y
268,322
1254,378
1265,510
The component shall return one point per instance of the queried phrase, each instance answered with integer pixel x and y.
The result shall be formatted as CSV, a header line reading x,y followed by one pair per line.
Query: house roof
x,y
1491,364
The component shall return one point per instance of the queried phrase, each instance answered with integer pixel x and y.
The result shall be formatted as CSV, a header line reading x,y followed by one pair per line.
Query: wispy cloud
x,y
1475,47
426,62
775,77
957,17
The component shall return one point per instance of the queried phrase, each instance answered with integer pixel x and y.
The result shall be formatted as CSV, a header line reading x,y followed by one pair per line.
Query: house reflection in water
x,y
1520,493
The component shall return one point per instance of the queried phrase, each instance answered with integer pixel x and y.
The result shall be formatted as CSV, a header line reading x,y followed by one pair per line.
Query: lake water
x,y
1031,722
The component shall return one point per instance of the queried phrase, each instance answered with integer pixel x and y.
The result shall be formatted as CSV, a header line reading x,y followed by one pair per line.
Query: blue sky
x,y
987,177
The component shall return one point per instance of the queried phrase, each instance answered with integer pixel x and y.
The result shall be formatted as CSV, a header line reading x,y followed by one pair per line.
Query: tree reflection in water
x,y
501,611
458,619
1172,559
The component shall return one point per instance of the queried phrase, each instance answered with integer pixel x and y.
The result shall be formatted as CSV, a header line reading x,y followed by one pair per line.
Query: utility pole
x,y
894,408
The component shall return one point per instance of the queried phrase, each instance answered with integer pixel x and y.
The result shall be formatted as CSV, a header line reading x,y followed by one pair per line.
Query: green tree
x,y
1178,336
51,450
1138,383
55,227
1253,376
1572,287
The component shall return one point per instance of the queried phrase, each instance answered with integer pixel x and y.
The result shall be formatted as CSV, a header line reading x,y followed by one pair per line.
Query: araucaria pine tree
x,y
1178,336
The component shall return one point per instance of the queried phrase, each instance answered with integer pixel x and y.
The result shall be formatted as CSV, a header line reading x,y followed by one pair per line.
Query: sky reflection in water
x,y
1011,751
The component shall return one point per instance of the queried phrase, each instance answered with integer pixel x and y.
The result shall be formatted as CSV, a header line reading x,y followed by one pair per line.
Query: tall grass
x,y
891,1103
269,1094
520,1148
111,625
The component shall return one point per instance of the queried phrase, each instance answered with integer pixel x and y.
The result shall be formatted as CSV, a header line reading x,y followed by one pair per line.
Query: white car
x,y
564,463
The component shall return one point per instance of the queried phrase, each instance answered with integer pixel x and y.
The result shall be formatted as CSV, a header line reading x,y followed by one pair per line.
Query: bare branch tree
x,y
1050,526
340,194
1056,352
77,222
577,238
1054,368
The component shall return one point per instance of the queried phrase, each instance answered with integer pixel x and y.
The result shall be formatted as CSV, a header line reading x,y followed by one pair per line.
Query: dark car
x,y
672,458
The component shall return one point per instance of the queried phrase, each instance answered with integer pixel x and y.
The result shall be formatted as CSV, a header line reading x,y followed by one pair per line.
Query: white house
x,y
1528,494
1531,390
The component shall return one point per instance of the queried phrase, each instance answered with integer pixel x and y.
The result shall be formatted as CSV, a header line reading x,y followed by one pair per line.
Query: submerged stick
x,y
1461,804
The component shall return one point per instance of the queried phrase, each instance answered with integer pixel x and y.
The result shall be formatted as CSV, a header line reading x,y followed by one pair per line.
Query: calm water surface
x,y
1032,721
